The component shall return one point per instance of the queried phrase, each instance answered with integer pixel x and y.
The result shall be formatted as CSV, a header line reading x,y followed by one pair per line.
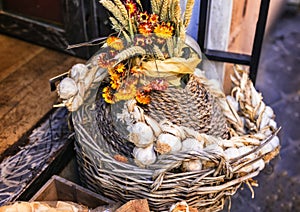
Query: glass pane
x,y
219,24
232,24
46,10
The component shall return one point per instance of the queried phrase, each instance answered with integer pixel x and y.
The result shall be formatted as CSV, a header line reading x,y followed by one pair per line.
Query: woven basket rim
x,y
111,175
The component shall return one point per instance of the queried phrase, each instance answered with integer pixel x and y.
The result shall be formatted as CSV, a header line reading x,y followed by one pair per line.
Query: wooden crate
x,y
60,189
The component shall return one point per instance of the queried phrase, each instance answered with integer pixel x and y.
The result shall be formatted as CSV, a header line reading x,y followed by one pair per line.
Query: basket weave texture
x,y
242,119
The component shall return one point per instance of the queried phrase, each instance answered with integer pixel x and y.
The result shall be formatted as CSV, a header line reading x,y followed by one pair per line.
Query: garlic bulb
x,y
78,72
168,127
141,135
214,148
167,143
192,144
67,88
74,103
89,78
153,124
192,165
144,156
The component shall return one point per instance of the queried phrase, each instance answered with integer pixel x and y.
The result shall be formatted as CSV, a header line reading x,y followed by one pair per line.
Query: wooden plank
x,y
14,54
25,95
60,189
47,193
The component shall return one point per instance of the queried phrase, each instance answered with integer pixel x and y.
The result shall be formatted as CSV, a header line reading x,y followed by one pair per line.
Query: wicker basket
x,y
235,135
248,122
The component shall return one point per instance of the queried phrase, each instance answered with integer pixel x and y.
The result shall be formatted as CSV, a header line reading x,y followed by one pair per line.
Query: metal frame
x,y
230,57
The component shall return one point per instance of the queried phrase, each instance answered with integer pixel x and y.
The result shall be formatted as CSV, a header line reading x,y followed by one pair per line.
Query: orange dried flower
x,y
143,98
121,158
104,60
115,43
131,7
137,71
153,19
115,77
164,30
139,40
145,29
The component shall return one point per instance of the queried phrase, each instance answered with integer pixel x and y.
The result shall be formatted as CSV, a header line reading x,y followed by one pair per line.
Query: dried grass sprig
x,y
170,47
117,27
115,24
139,3
158,53
130,52
111,7
154,6
181,31
164,10
177,10
122,8
188,12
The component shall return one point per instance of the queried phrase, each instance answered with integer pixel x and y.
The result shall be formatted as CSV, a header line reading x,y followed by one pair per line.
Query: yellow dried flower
x,y
107,95
115,77
143,98
127,92
120,68
153,19
115,84
143,17
164,30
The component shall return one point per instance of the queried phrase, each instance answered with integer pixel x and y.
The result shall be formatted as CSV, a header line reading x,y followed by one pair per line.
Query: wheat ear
x,y
158,53
154,6
188,12
170,47
111,7
139,3
130,52
122,8
177,10
164,10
